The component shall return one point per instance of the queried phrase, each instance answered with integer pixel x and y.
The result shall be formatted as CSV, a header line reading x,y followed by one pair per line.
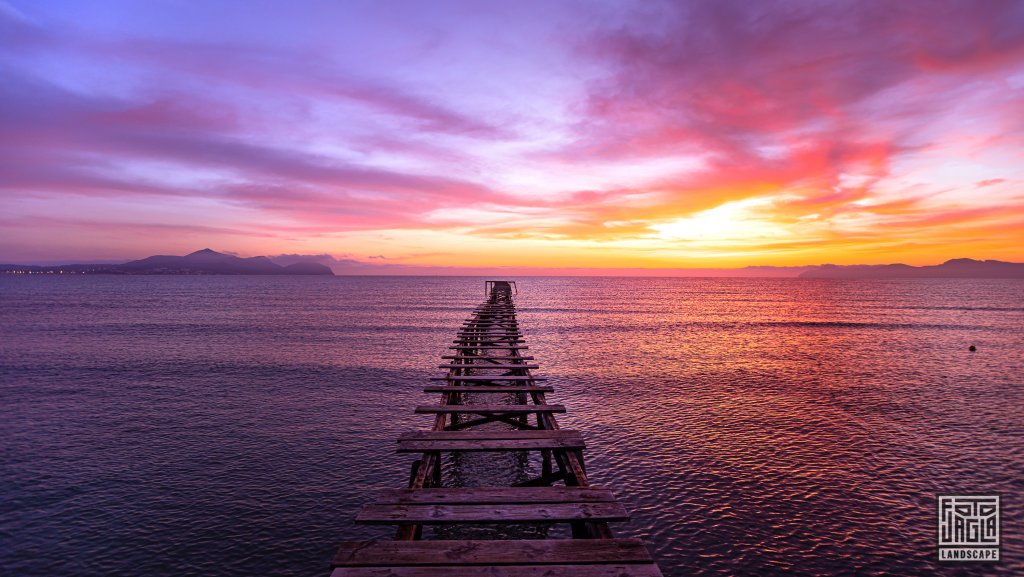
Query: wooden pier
x,y
488,361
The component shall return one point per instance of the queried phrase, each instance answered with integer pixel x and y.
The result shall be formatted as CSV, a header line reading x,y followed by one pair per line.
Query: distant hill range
x,y
207,262
201,262
956,268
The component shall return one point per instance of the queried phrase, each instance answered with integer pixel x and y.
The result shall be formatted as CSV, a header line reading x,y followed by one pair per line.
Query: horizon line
x,y
359,268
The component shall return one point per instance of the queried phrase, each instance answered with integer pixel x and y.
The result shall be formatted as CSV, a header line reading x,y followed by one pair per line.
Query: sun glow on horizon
x,y
734,222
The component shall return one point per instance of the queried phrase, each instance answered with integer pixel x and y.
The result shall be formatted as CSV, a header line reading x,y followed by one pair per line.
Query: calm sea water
x,y
234,425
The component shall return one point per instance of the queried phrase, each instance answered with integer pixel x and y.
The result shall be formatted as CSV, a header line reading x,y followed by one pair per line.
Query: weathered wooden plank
x,y
491,347
494,496
491,513
498,552
483,358
493,321
606,570
513,419
478,409
485,378
488,389
479,434
490,363
487,366
460,446
474,343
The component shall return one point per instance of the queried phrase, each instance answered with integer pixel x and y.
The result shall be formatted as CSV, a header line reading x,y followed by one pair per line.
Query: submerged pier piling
x,y
488,361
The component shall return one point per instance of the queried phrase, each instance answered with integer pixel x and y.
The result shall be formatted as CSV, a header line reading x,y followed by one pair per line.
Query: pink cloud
x,y
94,137
989,182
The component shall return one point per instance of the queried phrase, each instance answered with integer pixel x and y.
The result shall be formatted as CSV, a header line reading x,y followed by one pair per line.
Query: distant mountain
x,y
206,262
956,268
344,266
201,262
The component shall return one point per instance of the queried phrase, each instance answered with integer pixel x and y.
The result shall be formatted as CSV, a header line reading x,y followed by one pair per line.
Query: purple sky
x,y
553,134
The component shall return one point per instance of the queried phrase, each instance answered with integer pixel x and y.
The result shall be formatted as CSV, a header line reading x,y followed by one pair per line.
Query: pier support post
x,y
437,470
412,473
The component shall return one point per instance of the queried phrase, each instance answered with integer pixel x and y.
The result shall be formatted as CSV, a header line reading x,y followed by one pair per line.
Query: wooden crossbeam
x,y
528,570
480,445
542,481
482,552
509,419
487,389
509,319
491,359
494,496
492,513
486,378
522,570
484,366
468,342
492,322
482,409
481,434
492,347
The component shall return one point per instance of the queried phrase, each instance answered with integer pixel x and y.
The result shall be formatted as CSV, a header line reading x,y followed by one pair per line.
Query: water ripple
x,y
221,426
